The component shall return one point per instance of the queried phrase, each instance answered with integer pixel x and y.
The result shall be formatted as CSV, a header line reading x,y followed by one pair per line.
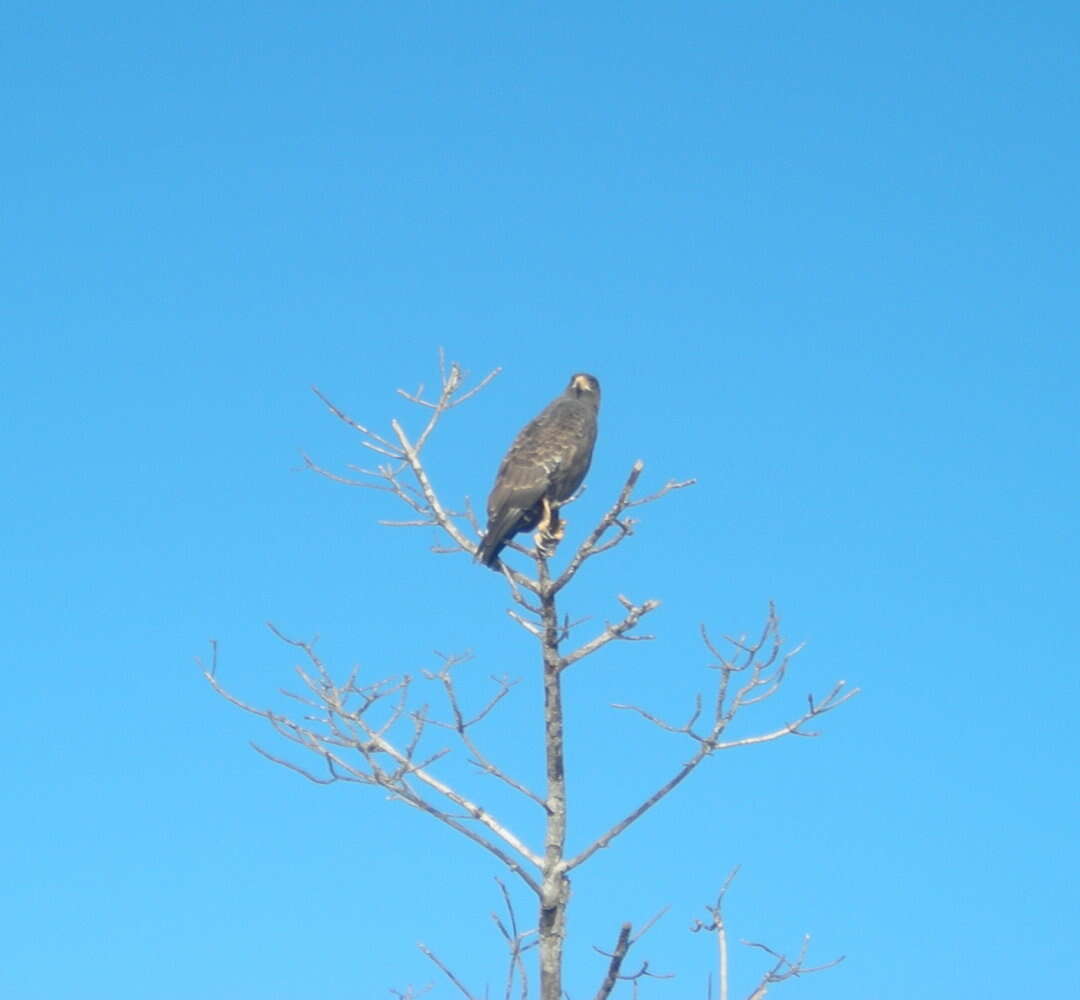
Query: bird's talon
x,y
545,544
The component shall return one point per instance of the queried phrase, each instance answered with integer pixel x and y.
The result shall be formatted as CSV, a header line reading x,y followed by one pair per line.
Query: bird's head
x,y
584,386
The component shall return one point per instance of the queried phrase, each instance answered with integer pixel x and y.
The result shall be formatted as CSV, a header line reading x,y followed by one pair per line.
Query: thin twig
x,y
449,975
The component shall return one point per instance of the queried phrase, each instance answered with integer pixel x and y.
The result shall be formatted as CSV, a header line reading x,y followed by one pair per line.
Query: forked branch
x,y
783,968
366,734
404,475
755,671
594,544
617,957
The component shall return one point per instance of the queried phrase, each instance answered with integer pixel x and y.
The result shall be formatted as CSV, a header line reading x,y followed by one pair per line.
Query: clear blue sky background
x,y
822,257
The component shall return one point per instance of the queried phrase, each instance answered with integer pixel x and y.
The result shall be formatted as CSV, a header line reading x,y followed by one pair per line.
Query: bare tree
x,y
382,733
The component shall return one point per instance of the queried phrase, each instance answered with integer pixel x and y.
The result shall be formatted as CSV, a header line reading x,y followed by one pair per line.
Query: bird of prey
x,y
543,468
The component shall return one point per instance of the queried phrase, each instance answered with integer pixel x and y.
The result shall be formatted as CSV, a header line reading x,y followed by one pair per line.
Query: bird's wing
x,y
533,459
521,482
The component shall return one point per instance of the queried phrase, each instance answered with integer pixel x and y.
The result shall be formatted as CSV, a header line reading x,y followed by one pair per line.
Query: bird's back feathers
x,y
548,460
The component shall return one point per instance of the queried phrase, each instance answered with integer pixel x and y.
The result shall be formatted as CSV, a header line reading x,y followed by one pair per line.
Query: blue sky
x,y
823,258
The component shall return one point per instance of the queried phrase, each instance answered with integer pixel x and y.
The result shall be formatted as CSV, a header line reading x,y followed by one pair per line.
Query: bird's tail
x,y
487,552
499,532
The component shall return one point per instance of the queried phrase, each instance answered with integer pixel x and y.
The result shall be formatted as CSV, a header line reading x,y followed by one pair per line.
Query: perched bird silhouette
x,y
543,468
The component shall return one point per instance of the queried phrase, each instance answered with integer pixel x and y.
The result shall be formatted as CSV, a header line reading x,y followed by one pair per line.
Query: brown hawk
x,y
543,468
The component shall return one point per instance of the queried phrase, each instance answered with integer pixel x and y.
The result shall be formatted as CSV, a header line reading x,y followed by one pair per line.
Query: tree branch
x,y
623,944
343,726
446,972
784,967
765,667
591,546
634,614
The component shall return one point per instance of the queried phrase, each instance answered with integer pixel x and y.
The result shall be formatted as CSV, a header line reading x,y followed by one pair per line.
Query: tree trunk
x,y
555,893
